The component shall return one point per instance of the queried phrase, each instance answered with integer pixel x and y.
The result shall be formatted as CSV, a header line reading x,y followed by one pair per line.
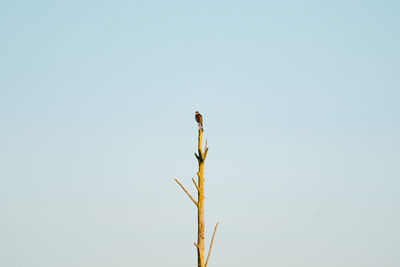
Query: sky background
x,y
300,101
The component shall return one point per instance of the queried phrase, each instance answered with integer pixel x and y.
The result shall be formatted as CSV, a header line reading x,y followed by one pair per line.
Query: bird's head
x,y
197,112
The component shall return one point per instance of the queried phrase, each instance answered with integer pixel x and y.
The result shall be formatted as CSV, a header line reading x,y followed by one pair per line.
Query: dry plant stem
x,y
200,202
211,244
200,156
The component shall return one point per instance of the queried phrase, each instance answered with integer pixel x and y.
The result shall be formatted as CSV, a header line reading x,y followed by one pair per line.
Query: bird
x,y
199,119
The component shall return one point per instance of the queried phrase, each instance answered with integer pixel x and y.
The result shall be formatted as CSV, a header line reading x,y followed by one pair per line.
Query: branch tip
x,y
194,181
212,241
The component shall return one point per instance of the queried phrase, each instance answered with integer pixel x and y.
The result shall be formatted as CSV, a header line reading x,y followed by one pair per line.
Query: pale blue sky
x,y
301,107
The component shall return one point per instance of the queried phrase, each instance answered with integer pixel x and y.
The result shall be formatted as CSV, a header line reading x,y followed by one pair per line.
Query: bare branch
x,y
194,181
205,153
197,156
194,201
212,241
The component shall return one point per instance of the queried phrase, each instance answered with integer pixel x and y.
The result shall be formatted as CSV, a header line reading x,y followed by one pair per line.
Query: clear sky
x,y
301,107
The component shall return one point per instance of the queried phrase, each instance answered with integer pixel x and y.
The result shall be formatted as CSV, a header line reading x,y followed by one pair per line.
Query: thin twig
x,y
194,181
194,201
205,153
212,241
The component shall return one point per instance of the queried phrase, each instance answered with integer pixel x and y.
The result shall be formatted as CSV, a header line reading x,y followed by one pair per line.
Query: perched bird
x,y
199,119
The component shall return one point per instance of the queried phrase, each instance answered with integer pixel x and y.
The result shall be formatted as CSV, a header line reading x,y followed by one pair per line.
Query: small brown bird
x,y
199,119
